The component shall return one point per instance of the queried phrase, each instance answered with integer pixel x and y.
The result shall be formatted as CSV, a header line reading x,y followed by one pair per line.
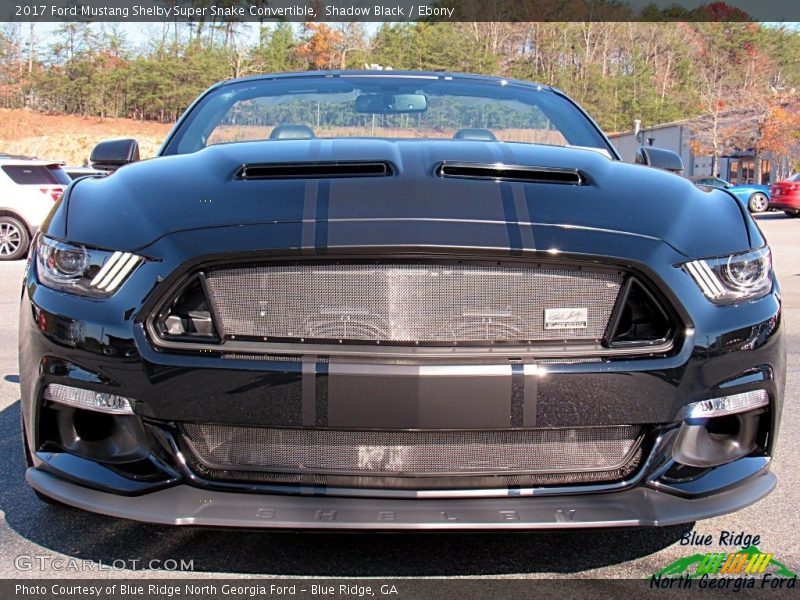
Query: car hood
x,y
145,201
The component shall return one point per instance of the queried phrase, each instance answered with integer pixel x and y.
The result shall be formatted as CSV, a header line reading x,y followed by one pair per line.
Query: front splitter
x,y
187,505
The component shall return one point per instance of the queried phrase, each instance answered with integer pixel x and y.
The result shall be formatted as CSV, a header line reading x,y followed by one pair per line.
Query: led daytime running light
x,y
725,405
88,399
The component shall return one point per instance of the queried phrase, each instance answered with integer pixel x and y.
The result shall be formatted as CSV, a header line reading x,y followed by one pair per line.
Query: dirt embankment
x,y
70,138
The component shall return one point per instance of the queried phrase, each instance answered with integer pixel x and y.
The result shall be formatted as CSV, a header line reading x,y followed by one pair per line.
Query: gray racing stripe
x,y
314,391
309,391
500,154
524,215
322,226
511,217
521,208
531,375
517,418
321,389
309,216
311,192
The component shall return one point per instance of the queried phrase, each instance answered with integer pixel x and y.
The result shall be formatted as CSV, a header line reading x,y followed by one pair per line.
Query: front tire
x,y
758,202
14,239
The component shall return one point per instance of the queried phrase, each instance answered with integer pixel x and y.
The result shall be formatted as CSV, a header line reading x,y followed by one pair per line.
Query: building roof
x,y
688,122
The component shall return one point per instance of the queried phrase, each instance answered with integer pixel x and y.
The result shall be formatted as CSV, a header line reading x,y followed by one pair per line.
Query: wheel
x,y
14,239
792,213
758,202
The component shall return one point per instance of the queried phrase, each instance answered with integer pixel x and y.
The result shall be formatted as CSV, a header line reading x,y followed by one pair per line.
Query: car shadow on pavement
x,y
104,540
771,216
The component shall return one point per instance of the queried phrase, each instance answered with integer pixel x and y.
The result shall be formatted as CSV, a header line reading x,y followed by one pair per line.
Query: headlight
x,y
80,270
731,279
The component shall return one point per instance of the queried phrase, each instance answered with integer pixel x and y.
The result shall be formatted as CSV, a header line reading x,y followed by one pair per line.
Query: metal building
x,y
736,165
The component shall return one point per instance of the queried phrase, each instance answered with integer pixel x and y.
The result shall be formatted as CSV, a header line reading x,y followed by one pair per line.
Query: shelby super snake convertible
x,y
398,301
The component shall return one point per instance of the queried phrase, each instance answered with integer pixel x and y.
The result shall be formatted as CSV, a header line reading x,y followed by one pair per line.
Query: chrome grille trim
x,y
409,303
532,352
419,453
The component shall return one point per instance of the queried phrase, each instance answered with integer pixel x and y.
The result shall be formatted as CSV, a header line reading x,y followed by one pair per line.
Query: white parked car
x,y
28,190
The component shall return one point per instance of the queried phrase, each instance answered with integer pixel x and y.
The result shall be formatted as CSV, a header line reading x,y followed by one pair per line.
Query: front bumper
x,y
790,201
72,341
187,505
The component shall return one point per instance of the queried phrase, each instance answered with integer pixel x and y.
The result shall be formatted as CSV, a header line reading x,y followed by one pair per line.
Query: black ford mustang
x,y
397,300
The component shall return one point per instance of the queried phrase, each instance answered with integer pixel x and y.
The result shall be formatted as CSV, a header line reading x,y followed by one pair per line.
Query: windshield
x,y
392,107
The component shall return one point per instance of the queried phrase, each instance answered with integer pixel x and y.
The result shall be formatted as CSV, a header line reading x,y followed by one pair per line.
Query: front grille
x,y
411,303
384,483
562,453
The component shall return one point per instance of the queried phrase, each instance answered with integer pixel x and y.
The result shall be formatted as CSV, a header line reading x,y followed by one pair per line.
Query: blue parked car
x,y
754,197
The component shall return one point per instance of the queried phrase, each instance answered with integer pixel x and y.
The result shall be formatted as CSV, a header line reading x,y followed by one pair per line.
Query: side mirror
x,y
113,154
659,158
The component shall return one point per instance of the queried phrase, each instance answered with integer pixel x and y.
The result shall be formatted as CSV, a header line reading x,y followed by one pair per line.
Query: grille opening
x,y
641,318
511,173
408,303
189,314
382,483
319,170
412,452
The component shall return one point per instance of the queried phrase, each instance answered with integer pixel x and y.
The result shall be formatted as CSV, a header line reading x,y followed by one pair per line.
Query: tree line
x,y
619,71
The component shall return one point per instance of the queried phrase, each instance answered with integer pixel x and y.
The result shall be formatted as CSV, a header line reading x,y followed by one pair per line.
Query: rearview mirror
x,y
112,154
659,158
386,104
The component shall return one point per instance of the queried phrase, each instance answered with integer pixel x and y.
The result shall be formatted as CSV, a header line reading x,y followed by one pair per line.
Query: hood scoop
x,y
502,172
315,170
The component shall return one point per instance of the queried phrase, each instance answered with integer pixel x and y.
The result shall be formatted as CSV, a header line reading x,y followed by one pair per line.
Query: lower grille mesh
x,y
341,452
411,303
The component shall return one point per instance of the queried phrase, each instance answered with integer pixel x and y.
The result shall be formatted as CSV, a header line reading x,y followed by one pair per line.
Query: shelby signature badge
x,y
565,318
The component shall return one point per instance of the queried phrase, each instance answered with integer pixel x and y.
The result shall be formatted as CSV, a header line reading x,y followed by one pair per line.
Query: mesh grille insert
x,y
411,303
419,452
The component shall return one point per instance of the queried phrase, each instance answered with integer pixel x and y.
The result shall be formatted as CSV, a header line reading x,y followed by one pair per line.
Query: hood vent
x,y
501,172
315,170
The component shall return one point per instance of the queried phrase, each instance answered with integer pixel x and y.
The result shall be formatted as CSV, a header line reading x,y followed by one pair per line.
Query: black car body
x,y
375,332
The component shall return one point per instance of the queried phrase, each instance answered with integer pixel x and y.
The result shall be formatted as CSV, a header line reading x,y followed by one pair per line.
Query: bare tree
x,y
717,66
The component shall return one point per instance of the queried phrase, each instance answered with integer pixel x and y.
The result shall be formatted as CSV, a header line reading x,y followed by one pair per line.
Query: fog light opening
x,y
93,426
91,434
719,440
727,426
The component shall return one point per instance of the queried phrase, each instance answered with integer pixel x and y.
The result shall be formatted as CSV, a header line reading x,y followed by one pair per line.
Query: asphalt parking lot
x,y
105,547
